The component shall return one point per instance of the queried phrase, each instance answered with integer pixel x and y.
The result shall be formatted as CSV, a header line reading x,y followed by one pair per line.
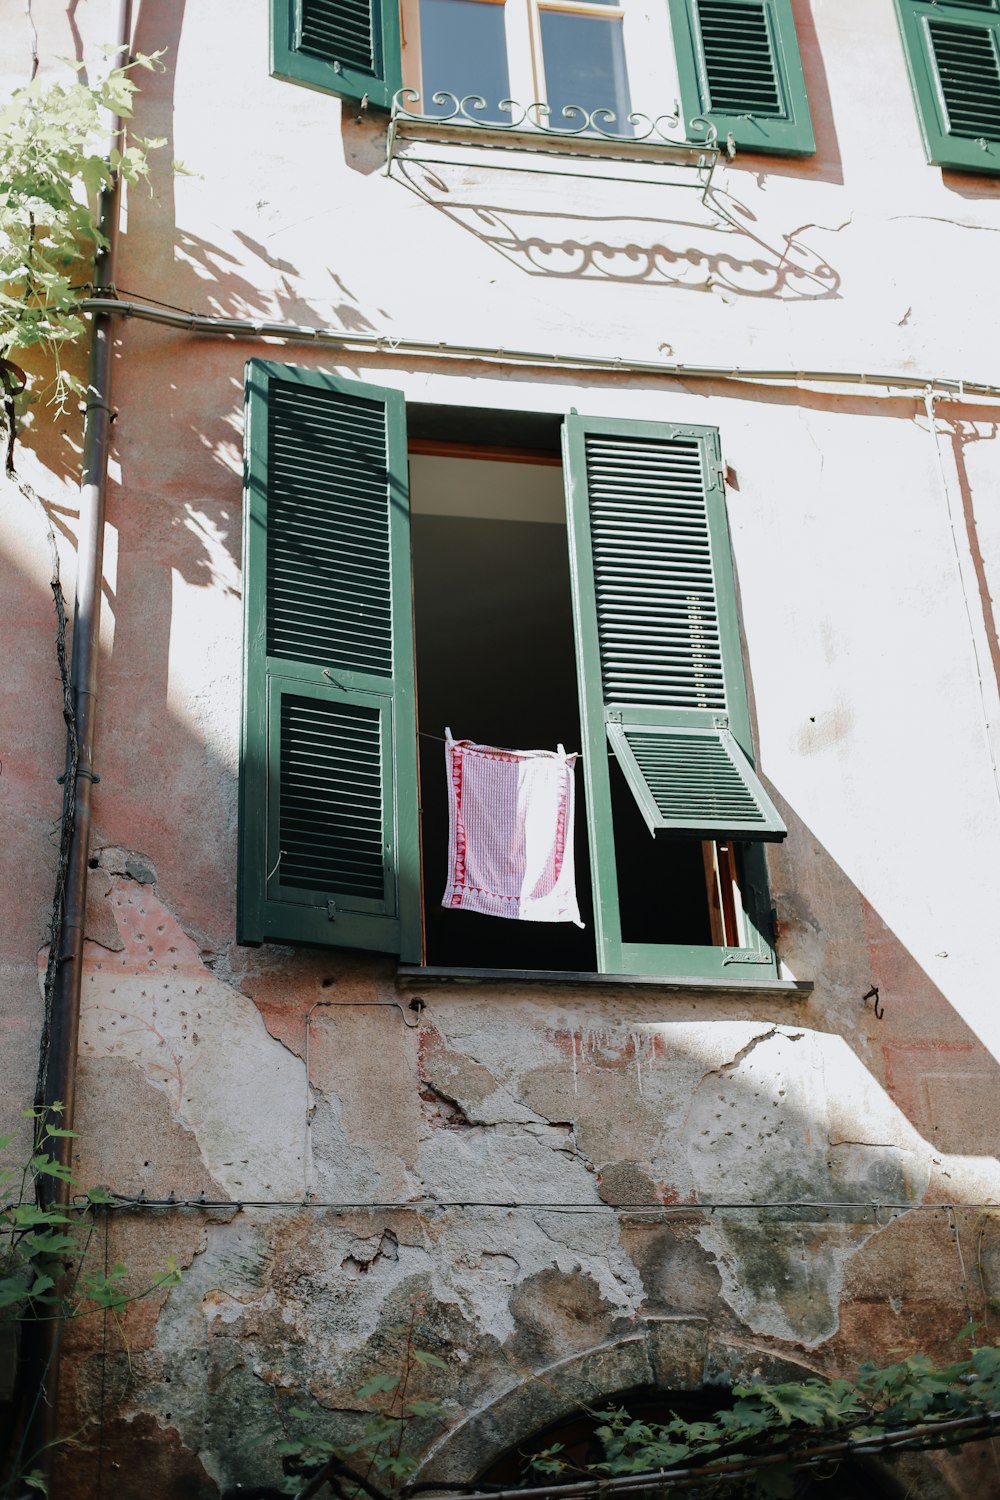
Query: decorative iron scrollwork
x,y
573,120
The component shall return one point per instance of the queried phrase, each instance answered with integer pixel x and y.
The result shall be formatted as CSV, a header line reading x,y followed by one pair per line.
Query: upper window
x,y
521,597
588,63
569,55
953,55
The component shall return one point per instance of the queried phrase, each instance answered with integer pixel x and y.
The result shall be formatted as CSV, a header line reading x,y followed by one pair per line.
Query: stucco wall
x,y
865,568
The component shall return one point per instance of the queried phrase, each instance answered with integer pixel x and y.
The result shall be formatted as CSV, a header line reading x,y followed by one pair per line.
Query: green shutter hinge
x,y
614,716
720,721
331,910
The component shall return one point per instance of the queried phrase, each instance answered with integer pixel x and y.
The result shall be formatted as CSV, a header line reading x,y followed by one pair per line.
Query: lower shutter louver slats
x,y
695,783
330,823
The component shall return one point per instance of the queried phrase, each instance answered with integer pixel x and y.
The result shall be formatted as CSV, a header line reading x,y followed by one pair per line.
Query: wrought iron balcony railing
x,y
578,136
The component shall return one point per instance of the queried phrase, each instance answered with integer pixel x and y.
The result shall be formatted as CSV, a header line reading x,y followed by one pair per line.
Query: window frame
x,y
263,913
525,53
942,148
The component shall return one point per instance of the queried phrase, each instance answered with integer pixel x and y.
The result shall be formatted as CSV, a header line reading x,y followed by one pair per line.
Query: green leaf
x,y
424,1408
428,1360
377,1384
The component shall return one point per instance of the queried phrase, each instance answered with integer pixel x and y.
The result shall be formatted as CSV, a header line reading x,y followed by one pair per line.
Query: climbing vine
x,y
53,166
45,1273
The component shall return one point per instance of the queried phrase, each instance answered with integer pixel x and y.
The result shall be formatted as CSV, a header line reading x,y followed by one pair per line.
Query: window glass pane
x,y
464,51
585,65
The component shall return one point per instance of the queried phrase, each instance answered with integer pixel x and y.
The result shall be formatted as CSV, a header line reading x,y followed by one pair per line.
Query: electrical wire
x,y
124,1201
218,325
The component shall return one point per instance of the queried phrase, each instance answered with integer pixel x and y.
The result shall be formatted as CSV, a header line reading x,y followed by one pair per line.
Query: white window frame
x,y
649,53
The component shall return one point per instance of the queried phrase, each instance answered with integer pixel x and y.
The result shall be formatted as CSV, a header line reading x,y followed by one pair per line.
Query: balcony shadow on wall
x,y
729,253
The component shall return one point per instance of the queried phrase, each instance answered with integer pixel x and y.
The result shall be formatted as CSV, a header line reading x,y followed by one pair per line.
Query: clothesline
x,y
425,734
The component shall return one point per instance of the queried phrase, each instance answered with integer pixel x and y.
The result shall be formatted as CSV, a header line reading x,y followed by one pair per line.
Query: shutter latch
x,y
331,910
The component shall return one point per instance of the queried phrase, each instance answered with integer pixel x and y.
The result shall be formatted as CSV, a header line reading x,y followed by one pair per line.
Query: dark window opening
x,y
845,1480
496,663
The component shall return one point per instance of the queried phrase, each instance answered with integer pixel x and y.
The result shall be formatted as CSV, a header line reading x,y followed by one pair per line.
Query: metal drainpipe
x,y
59,1069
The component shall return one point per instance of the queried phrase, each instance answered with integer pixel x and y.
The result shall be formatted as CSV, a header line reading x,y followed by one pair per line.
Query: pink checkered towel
x,y
510,832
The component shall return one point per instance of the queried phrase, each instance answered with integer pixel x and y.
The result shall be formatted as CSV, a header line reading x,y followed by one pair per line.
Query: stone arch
x,y
669,1353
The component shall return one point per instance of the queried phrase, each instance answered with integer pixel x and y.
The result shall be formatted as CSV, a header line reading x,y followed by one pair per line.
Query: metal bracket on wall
x,y
582,140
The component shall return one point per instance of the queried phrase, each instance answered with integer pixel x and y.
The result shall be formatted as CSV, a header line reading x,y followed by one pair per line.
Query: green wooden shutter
x,y
328,815
738,65
658,646
953,57
348,47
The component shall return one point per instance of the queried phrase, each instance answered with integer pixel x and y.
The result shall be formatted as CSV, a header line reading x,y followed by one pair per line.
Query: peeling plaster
x,y
759,1131
200,1041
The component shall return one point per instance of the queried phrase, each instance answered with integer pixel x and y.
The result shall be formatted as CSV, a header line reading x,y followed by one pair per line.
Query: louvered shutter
x,y
738,65
348,47
328,817
953,56
660,663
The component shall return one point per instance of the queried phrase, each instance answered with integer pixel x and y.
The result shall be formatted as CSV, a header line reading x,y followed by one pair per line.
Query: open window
x,y
952,52
577,66
553,580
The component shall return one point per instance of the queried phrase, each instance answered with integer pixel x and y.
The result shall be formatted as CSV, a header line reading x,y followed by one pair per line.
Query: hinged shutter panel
x,y
738,64
661,669
328,803
953,56
349,47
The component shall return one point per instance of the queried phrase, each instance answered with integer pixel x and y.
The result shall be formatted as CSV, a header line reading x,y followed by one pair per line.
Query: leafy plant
x,y
754,1447
44,1240
377,1461
52,169
43,1244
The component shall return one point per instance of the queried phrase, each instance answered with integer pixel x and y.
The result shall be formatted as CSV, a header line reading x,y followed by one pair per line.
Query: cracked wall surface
x,y
547,1172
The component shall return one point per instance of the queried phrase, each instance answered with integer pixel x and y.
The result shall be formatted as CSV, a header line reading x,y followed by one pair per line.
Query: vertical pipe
x,y
60,1070
59,1066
